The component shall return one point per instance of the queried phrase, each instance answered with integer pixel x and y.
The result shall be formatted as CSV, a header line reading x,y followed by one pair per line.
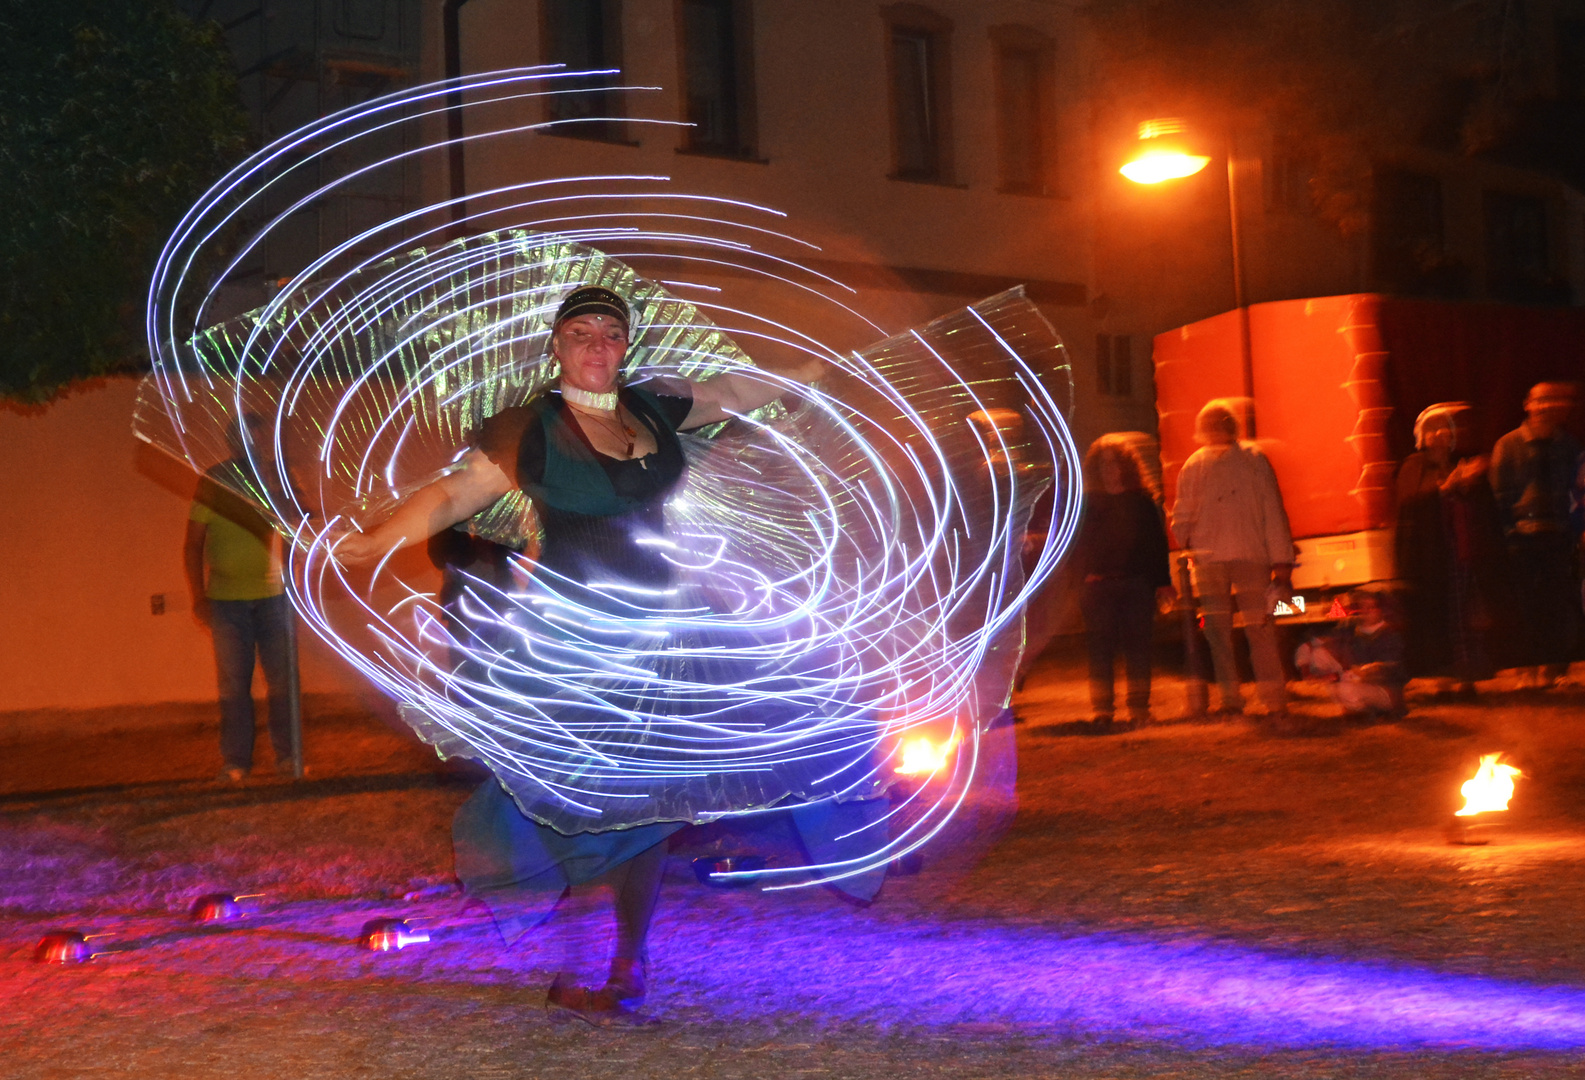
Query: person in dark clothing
x,y
1449,551
1362,662
1535,472
597,459
1121,557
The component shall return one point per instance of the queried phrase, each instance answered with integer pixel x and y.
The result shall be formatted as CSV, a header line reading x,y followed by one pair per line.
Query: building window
x,y
1517,266
1409,254
1114,365
585,35
1288,175
919,66
1023,78
1570,40
717,48
360,19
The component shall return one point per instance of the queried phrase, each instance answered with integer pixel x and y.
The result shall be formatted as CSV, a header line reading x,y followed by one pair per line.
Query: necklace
x,y
613,424
603,402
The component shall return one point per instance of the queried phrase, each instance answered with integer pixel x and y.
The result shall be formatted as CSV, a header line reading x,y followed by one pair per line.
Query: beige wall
x,y
824,138
94,529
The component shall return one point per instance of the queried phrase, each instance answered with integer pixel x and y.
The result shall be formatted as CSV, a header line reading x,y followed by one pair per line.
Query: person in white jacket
x,y
1229,516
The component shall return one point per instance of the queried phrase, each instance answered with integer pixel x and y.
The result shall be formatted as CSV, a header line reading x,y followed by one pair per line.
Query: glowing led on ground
x,y
924,755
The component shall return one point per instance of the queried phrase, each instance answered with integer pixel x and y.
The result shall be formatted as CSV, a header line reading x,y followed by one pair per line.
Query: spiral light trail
x,y
850,563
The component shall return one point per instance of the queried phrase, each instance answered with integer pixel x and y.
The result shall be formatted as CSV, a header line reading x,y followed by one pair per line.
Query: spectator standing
x,y
1535,473
233,562
1229,516
1121,556
1448,549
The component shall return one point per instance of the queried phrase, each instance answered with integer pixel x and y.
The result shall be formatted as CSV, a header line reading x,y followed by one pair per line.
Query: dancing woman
x,y
598,460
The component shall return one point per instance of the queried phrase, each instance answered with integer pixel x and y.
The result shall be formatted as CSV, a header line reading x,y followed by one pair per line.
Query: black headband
x,y
592,300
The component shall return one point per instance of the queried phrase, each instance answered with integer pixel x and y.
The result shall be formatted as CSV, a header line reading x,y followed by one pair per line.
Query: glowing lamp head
x,y
1489,789
389,935
1163,154
215,907
922,756
62,947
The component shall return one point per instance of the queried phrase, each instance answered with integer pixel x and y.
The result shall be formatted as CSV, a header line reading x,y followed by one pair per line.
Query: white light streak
x,y
848,572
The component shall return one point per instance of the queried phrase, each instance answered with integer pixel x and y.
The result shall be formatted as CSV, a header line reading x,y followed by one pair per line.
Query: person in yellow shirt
x,y
233,561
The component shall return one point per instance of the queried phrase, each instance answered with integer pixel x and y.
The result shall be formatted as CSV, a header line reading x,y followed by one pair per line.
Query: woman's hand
x,y
353,549
807,373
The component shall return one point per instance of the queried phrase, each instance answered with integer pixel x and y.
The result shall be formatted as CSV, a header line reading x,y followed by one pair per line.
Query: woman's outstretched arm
x,y
744,390
455,497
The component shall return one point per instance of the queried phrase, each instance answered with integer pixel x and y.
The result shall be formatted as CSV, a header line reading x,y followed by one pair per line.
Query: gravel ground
x,y
1188,900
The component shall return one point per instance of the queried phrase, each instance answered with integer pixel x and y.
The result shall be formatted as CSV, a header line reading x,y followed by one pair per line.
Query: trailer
x,y
1336,383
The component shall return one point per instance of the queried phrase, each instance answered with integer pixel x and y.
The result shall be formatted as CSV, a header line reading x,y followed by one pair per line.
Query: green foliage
x,y
114,117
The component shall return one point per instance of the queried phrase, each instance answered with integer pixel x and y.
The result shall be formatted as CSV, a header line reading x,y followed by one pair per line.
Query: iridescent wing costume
x,y
848,566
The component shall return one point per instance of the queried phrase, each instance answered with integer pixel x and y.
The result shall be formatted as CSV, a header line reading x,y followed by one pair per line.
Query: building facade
x,y
936,154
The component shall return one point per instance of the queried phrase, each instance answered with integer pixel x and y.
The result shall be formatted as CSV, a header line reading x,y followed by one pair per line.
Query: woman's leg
x,y
1100,632
636,895
1138,632
635,891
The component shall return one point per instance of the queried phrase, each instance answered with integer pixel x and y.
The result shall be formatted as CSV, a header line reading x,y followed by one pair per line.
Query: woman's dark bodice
x,y
602,517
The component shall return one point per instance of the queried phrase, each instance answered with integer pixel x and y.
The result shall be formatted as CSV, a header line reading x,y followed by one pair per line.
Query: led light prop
x,y
62,947
390,935
218,907
921,755
849,565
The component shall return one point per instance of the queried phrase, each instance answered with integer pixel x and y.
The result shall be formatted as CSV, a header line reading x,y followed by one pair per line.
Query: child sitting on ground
x,y
1362,662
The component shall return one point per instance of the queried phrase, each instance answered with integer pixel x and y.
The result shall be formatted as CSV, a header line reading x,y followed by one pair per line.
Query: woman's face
x,y
590,349
1440,438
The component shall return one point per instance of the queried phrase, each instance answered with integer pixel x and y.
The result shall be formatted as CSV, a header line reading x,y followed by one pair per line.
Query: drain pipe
x,y
451,33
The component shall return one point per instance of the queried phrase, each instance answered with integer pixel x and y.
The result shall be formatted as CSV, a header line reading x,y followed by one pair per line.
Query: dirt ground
x,y
1188,900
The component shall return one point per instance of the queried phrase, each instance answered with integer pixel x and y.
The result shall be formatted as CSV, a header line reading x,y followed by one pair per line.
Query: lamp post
x,y
1164,153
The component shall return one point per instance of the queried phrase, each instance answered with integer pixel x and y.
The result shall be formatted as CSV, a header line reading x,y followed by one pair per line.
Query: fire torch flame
x,y
921,755
1490,788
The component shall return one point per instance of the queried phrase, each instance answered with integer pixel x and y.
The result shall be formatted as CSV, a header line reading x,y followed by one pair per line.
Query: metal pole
x,y
451,33
1199,697
294,692
1245,347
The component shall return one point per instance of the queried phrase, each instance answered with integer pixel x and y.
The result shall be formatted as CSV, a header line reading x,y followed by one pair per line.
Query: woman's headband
x,y
592,300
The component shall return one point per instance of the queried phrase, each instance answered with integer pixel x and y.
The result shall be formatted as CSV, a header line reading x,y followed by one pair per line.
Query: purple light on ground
x,y
1039,982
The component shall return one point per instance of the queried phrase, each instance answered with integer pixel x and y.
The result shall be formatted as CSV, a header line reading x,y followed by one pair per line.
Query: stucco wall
x,y
94,525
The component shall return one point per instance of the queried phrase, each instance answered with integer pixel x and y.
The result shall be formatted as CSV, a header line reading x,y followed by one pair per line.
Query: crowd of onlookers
x,y
1487,549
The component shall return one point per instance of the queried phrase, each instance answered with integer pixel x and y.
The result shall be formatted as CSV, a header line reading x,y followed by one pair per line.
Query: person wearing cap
x,y
597,458
1448,550
1535,476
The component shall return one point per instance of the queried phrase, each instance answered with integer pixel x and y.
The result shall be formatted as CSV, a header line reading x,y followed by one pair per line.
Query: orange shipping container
x,y
1337,384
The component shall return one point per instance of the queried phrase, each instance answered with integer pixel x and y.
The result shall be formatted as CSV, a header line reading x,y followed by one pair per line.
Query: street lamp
x,y
1164,153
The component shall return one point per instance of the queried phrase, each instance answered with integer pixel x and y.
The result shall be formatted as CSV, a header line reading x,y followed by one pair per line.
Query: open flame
x,y
923,755
1490,788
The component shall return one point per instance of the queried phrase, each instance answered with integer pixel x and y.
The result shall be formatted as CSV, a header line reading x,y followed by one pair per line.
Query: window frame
x,y
1412,263
1026,40
936,29
615,129
1114,379
1510,278
745,103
